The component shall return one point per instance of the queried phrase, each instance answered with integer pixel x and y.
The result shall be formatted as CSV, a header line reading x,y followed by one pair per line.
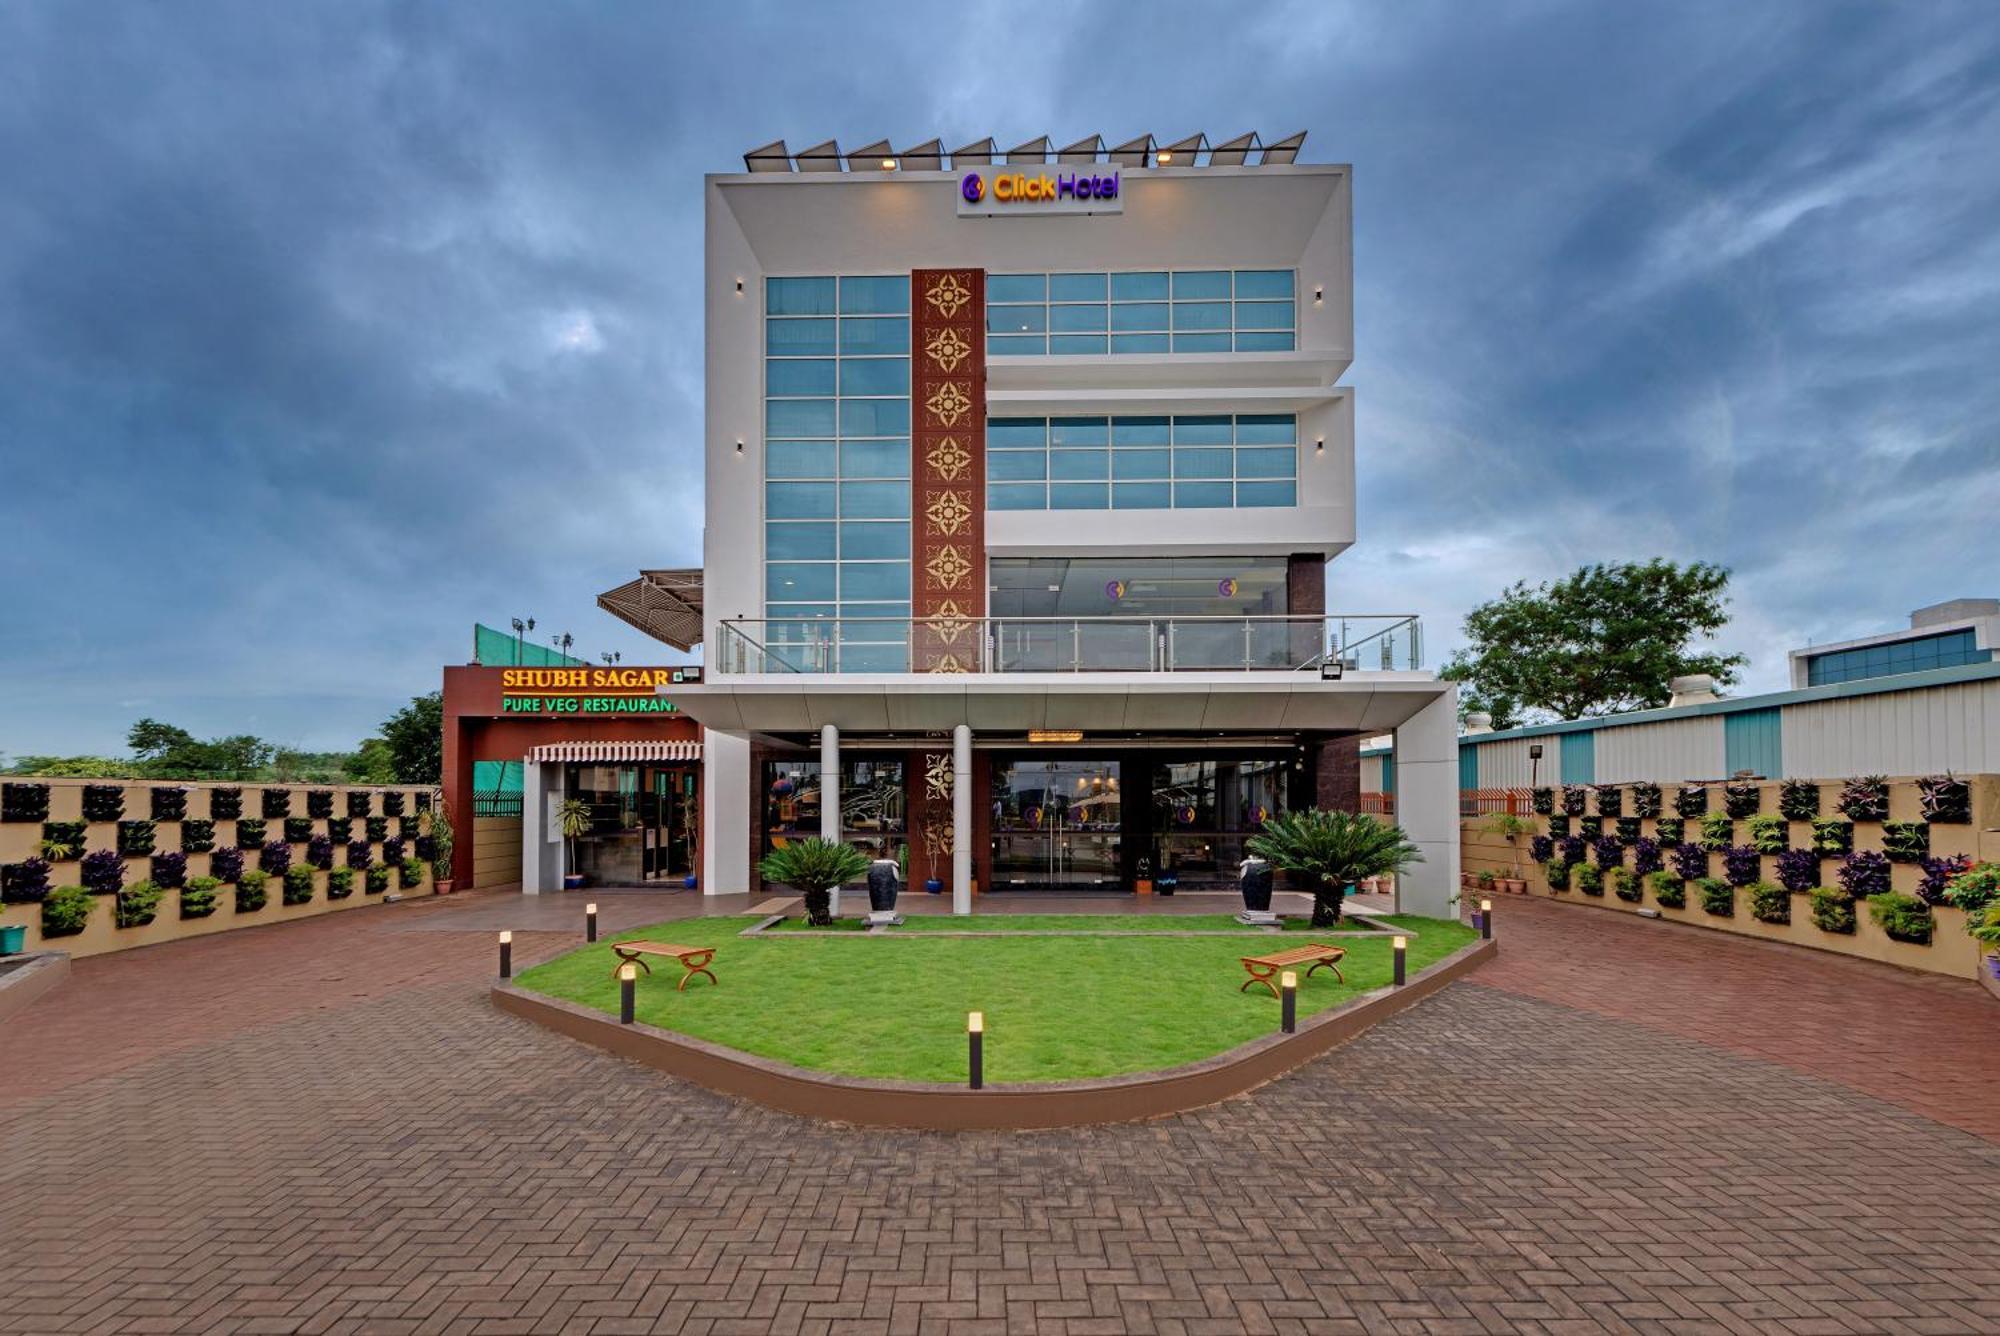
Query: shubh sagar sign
x,y
589,690
996,191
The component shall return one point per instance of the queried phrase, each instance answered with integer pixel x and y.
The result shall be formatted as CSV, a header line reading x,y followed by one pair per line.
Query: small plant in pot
x,y
1333,851
440,838
813,868
573,819
1512,828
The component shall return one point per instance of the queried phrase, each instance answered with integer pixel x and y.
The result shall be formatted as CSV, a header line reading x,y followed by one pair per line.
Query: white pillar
x,y
961,819
829,792
1427,804
725,796
534,820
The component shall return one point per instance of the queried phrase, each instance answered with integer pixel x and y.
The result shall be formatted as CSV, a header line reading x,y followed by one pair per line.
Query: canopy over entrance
x,y
666,605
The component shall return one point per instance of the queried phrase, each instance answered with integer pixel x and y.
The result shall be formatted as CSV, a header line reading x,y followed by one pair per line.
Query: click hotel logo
x,y
1020,187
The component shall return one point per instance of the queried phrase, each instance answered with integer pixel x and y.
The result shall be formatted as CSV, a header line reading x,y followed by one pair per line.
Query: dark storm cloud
x,y
326,329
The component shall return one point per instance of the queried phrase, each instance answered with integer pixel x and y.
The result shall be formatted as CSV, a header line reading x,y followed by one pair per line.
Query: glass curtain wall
x,y
1186,462
872,804
1203,811
1182,311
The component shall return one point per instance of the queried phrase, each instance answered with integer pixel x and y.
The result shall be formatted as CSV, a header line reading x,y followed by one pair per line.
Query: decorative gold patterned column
x,y
948,532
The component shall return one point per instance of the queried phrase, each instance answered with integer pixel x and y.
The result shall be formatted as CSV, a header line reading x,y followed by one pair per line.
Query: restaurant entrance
x,y
644,822
1057,824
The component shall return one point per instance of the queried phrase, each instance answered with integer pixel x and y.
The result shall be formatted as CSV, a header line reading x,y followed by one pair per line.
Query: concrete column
x,y
534,821
1427,804
725,835
961,819
829,792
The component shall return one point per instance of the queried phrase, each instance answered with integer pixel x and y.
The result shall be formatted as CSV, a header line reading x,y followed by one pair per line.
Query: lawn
x,y
1056,1007
1075,923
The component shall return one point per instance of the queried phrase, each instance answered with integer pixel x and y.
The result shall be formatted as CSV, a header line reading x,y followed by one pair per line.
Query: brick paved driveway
x,y
323,1127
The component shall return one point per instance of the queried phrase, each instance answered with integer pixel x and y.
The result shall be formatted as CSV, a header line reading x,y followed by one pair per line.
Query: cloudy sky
x,y
328,329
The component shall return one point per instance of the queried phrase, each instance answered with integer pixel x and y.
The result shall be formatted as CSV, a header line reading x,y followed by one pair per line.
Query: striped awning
x,y
616,751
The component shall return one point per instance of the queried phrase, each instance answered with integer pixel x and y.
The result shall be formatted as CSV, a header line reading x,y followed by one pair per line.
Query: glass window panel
x,y
1203,463
794,541
1266,494
1202,429
798,579
875,296
1142,287
893,658
1267,429
792,379
874,417
1139,464
1079,464
874,540
1201,343
1076,345
1201,315
1263,315
1076,287
799,500
1201,284
1016,345
875,335
1139,431
874,579
1079,496
1006,433
1139,315
799,338
1016,319
1268,283
1017,496
1077,319
1140,496
1079,431
874,375
1016,465
875,459
875,500
1201,495
798,296
1016,288
798,417
1265,343
804,612
1138,343
798,459
1271,461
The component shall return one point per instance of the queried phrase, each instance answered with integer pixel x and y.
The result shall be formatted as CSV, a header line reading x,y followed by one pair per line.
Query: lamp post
x,y
1401,946
1486,919
562,643
521,628
628,988
975,1035
1534,764
506,954
590,923
1288,1002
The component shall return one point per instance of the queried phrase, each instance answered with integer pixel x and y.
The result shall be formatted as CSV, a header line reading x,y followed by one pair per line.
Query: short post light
x,y
506,954
975,1036
1486,919
628,990
1401,947
1288,1002
590,923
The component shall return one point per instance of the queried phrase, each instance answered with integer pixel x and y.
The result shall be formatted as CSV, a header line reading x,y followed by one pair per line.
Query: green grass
x,y
1056,1007
1080,923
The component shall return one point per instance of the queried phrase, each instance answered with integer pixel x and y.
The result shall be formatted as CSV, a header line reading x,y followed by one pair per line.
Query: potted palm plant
x,y
1512,828
1333,851
813,868
573,819
440,835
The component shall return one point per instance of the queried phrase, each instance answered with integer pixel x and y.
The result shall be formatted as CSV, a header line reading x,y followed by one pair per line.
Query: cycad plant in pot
x,y
573,819
1333,851
813,868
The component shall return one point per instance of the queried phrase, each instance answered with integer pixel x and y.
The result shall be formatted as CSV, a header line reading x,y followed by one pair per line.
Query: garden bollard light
x,y
1288,1006
590,923
1486,919
628,988
1401,944
975,1034
506,954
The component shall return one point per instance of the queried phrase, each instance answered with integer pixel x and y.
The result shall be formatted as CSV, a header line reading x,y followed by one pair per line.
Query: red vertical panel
x,y
948,459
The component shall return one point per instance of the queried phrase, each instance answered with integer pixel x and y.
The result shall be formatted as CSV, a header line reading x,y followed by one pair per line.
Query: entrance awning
x,y
666,605
612,752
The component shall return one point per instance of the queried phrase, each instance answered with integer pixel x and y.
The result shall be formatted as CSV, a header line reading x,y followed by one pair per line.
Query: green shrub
x,y
1557,872
1769,902
298,885
298,829
1832,909
1973,890
1559,825
1718,832
66,911
1770,834
1670,830
340,829
1590,827
135,838
378,876
1718,897
1906,841
1904,917
1590,878
198,897
340,883
63,841
197,836
251,894
1669,891
413,876
377,828
1798,799
137,905
1832,837
1627,886
250,832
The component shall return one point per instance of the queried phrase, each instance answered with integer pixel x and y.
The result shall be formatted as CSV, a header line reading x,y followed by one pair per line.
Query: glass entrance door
x,y
1055,824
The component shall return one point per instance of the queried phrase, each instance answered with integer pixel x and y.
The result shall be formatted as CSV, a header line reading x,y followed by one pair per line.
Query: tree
x,y
151,740
415,735
813,868
1602,641
1335,850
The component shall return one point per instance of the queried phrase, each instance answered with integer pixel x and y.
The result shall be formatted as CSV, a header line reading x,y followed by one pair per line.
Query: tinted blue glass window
x,y
875,500
1202,429
874,375
1016,465
1270,461
1079,464
874,579
797,580
798,417
1267,429
1254,283
1139,316
1141,496
874,540
1002,433
1076,287
1080,431
1139,464
1076,344
875,296
1263,315
1203,463
1016,288
1138,343
803,377
1266,494
873,335
798,296
1139,431
798,542
1016,319
874,417
1076,319
798,459
1198,284
1146,287
799,338
1201,315
892,658
875,459
1079,496
1017,496
1201,495
1016,345
799,500
1265,343
1201,343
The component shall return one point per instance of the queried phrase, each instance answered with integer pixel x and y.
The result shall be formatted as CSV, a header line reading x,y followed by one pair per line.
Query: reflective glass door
x,y
1055,824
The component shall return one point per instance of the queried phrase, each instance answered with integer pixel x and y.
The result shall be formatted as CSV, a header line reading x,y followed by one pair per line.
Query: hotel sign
x,y
997,192
604,691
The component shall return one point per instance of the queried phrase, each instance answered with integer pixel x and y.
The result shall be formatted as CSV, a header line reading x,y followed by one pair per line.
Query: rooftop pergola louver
x,y
1245,150
666,605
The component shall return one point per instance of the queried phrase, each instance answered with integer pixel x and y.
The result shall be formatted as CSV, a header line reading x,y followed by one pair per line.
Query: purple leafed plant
x,y
1541,848
1690,862
1574,798
359,854
319,852
1741,864
103,872
1610,852
1572,849
275,858
25,882
392,850
170,870
1646,856
1938,873
226,864
427,848
1798,869
1864,874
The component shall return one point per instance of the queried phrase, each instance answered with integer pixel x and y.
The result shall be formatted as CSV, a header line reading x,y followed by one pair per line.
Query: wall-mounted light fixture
x,y
739,287
1319,295
1166,156
888,164
739,445
1319,445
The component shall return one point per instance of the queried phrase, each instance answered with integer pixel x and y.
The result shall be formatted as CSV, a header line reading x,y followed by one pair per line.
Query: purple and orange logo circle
x,y
973,187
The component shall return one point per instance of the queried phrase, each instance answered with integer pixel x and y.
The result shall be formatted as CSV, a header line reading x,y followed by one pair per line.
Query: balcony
x,y
1360,642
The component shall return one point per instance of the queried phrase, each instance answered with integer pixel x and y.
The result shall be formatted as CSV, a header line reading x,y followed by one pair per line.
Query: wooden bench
x,y
1265,969
694,959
